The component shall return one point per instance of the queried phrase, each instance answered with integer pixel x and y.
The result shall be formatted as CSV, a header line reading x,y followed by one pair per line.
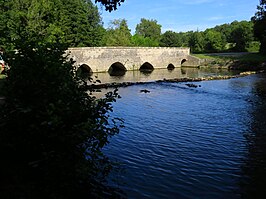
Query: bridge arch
x,y
101,58
84,70
183,61
170,66
146,67
117,69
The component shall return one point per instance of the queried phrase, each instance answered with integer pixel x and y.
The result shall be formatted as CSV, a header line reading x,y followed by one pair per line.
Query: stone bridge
x,y
109,59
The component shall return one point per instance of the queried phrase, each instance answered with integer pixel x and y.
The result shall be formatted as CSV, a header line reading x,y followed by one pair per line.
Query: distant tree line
x,y
78,23
237,36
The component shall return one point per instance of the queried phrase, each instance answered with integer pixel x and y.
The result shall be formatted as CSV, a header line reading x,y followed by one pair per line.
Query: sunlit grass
x,y
253,57
2,82
2,76
247,57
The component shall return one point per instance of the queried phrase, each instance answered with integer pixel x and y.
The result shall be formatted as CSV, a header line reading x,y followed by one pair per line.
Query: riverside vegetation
x,y
52,130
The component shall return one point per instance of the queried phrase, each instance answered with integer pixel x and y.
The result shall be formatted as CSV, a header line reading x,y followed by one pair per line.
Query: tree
x,y
260,25
76,22
242,35
118,33
196,42
170,39
52,129
110,5
81,23
149,28
213,41
139,40
226,30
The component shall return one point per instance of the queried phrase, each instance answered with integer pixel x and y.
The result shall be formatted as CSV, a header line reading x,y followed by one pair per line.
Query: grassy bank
x,y
2,81
250,57
240,61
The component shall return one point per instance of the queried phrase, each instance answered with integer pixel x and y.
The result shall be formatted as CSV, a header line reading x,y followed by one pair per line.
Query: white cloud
x,y
196,2
218,18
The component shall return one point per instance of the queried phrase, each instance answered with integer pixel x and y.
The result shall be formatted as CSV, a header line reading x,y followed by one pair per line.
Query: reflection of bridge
x,y
103,59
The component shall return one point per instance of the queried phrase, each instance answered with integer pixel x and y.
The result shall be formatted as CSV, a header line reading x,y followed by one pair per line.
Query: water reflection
x,y
84,71
254,170
118,73
158,74
170,67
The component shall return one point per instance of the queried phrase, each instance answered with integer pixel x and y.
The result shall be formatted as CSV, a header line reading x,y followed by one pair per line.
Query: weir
x,y
104,59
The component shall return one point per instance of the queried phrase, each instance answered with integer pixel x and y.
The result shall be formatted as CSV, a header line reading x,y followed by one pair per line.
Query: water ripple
x,y
181,142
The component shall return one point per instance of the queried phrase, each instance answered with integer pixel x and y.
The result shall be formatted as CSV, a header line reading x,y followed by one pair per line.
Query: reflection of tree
x,y
255,166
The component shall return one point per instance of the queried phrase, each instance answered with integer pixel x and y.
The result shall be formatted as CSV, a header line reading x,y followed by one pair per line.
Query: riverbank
x,y
242,61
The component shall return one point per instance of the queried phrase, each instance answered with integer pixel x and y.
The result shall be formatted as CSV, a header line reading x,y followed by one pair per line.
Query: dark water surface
x,y
182,142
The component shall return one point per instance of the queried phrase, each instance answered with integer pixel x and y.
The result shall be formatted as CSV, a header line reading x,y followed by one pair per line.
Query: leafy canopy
x,y
118,33
52,129
260,25
75,22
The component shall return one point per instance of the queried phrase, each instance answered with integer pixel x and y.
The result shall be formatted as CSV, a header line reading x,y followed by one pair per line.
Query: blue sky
x,y
182,15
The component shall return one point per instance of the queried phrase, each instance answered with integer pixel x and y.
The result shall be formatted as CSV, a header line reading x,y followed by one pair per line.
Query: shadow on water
x,y
84,73
146,72
254,169
118,74
117,69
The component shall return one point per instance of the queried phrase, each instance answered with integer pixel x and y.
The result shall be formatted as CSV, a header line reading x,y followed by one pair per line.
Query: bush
x,y
52,130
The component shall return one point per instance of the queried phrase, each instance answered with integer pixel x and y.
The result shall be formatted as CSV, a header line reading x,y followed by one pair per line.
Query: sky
x,y
182,15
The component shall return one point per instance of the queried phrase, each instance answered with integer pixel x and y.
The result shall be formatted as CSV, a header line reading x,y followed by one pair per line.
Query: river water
x,y
184,142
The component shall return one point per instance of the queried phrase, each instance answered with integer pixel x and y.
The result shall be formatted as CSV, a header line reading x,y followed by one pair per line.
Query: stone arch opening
x,y
146,67
170,66
117,69
183,61
84,71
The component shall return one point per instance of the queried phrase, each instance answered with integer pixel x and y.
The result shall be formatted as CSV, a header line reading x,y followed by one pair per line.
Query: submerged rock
x,y
192,85
175,80
145,91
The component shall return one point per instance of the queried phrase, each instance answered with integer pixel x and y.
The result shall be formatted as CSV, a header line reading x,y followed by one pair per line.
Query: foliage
x,y
242,35
110,5
139,40
214,41
76,22
149,28
196,42
260,25
225,30
253,46
170,39
52,130
118,33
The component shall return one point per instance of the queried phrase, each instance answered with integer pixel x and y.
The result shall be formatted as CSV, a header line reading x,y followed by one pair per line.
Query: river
x,y
186,142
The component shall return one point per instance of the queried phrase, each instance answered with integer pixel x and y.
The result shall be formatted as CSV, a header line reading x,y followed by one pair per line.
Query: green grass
x,y
253,57
2,81
249,57
2,76
213,56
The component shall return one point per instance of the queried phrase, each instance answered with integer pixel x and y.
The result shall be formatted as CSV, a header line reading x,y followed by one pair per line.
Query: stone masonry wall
x,y
99,59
